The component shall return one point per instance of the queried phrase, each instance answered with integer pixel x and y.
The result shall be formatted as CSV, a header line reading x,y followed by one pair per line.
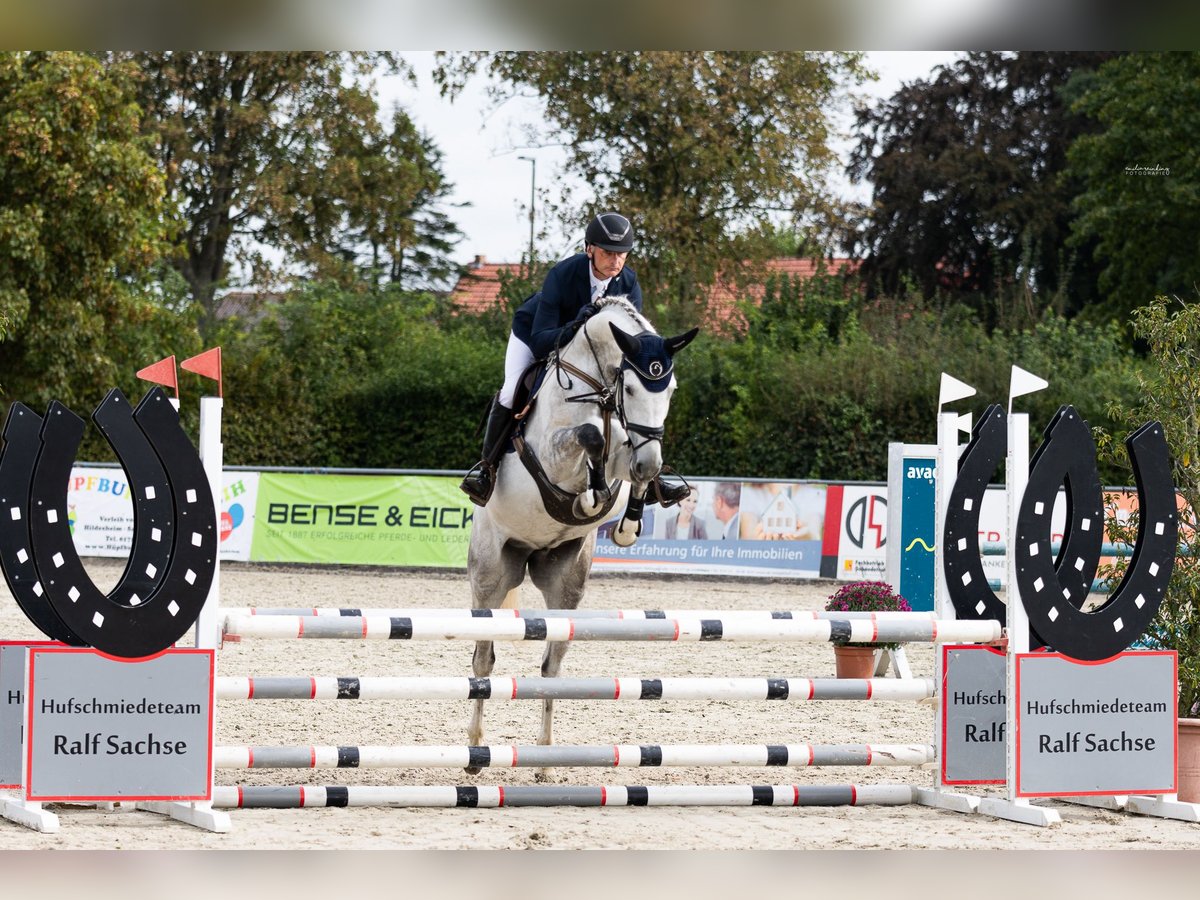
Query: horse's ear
x,y
627,342
677,343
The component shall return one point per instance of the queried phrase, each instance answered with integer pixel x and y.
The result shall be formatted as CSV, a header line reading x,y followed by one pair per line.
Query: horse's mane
x,y
621,302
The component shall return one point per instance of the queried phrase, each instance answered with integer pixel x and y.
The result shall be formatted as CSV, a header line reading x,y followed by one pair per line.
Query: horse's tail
x,y
512,598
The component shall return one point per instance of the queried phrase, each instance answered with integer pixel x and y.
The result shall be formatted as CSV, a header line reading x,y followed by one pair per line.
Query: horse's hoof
x,y
586,505
544,776
623,537
472,770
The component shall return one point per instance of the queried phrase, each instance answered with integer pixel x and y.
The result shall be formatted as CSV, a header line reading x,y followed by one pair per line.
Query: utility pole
x,y
532,197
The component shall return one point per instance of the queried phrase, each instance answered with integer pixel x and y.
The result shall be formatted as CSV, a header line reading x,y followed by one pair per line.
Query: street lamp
x,y
532,195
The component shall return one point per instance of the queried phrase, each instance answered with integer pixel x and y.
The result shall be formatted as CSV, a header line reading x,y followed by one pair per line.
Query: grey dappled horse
x,y
592,442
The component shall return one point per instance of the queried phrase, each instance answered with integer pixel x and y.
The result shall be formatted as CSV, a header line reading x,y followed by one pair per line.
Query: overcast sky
x,y
482,149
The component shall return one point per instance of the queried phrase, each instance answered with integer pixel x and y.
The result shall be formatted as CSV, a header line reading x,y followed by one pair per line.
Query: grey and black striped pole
x,y
861,631
506,613
467,688
605,755
296,797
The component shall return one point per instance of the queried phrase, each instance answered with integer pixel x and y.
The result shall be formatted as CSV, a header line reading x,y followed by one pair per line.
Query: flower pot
x,y
855,662
1189,760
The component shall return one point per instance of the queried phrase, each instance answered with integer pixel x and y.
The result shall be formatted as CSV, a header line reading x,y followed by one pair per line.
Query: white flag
x,y
952,389
964,423
1023,382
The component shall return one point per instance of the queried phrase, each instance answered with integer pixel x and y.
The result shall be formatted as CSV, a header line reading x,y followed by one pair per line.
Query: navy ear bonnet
x,y
651,362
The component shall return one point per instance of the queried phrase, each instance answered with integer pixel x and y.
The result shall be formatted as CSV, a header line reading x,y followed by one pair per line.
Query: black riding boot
x,y
481,479
666,493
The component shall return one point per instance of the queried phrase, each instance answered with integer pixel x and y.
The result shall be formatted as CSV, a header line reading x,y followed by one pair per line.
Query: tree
x,y
80,223
1167,393
1141,177
284,151
966,173
699,148
393,229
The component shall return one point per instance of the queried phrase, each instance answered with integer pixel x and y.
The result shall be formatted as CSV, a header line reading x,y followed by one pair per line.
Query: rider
x,y
549,318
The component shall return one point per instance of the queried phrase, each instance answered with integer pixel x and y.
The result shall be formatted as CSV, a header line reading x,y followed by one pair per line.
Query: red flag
x,y
207,364
161,372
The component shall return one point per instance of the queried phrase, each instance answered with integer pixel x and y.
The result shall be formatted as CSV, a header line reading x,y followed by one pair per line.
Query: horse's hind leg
x,y
482,662
493,574
561,575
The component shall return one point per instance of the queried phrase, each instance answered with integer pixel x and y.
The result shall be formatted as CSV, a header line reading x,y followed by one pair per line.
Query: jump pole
x,y
509,613
493,797
615,756
918,629
421,687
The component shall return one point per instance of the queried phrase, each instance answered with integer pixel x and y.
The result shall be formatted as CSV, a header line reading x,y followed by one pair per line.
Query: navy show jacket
x,y
567,289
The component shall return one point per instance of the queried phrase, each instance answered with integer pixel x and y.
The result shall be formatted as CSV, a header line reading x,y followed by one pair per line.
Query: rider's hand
x,y
586,312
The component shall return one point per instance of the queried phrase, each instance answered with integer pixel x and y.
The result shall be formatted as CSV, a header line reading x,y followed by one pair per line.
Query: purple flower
x,y
867,596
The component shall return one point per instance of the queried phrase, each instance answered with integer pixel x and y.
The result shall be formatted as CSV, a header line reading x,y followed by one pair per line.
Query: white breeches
x,y
517,358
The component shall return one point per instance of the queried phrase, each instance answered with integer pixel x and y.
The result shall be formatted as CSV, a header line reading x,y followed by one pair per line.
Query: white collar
x,y
598,285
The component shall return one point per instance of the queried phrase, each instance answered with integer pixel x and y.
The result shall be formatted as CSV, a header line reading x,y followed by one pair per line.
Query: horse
x,y
589,441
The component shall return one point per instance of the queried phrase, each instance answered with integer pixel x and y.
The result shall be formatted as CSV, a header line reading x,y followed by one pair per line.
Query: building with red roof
x,y
478,288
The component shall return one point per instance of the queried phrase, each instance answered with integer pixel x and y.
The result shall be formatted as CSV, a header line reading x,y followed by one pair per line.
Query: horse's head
x,y
643,369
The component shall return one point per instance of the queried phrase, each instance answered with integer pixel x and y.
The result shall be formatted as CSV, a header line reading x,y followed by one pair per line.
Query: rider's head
x,y
607,242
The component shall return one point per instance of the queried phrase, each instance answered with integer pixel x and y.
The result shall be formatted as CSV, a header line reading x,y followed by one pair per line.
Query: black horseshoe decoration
x,y
1067,447
966,582
21,445
153,623
194,555
1053,615
150,491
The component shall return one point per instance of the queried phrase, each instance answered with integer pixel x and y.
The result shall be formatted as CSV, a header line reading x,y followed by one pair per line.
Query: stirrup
x,y
666,494
479,482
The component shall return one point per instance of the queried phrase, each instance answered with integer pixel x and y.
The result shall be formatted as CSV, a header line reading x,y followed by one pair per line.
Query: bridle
x,y
609,398
560,504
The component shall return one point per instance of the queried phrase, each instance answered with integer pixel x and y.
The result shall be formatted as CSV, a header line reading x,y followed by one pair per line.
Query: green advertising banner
x,y
383,520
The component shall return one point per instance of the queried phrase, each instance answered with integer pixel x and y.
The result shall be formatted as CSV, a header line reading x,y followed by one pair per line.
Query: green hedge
x,y
814,387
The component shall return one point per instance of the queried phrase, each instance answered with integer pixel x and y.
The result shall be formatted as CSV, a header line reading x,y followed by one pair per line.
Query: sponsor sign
x,y
770,529
236,509
385,520
100,728
1096,728
910,555
974,714
100,512
12,708
864,531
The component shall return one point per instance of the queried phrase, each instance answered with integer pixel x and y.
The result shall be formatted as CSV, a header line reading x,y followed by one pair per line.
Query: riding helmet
x,y
611,231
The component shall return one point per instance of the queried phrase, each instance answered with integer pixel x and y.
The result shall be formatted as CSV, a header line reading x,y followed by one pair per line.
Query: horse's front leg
x,y
595,494
630,527
496,569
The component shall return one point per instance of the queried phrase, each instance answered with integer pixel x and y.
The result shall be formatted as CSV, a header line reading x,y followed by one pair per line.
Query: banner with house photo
x,y
755,528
